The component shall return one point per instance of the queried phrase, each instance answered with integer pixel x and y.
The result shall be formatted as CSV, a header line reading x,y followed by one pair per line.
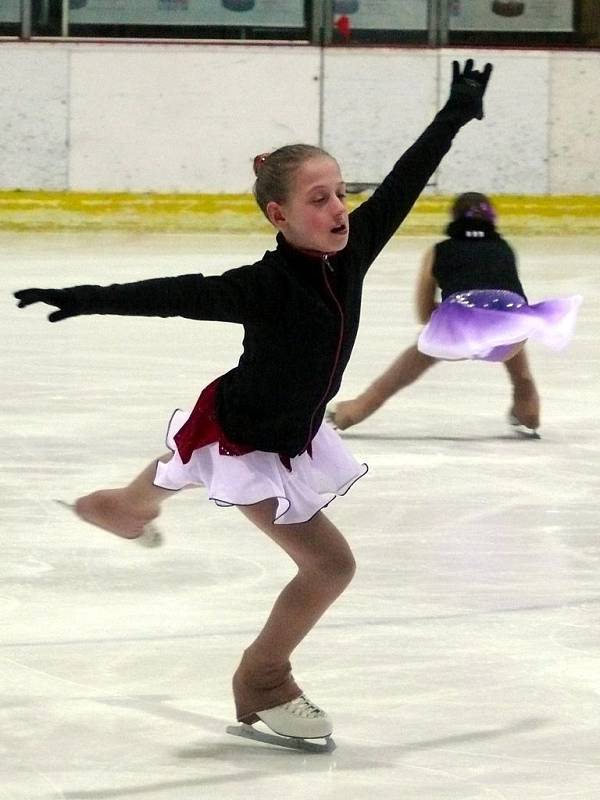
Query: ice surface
x,y
463,663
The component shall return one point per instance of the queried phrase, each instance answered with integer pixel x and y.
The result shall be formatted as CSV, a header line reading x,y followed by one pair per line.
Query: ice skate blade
x,y
291,742
522,430
150,537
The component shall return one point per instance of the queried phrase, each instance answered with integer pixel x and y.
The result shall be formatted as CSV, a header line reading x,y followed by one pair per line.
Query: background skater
x,y
484,314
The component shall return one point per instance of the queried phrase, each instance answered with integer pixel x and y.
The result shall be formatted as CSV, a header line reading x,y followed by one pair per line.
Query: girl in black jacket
x,y
255,438
484,314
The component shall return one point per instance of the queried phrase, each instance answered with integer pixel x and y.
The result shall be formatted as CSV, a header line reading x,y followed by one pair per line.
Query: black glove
x,y
63,299
467,89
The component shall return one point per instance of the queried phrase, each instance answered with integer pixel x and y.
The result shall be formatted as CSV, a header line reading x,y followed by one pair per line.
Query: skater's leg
x,y
409,366
325,567
526,401
127,510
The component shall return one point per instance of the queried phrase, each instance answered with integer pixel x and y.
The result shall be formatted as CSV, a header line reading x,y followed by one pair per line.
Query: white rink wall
x,y
176,118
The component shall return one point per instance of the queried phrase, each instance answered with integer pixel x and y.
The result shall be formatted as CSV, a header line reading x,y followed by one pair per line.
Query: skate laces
x,y
302,707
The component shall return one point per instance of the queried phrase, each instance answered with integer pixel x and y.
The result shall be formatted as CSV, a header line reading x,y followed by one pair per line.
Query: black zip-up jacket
x,y
300,313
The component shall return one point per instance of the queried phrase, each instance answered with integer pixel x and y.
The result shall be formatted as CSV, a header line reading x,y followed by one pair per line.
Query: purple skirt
x,y
487,323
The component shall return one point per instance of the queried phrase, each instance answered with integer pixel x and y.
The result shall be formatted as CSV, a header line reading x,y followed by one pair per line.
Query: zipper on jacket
x,y
325,263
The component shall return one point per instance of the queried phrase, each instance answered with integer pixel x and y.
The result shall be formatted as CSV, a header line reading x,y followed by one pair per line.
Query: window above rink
x,y
524,23
347,23
196,19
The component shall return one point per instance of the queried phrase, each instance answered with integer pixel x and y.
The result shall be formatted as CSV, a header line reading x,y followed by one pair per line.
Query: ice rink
x,y
463,663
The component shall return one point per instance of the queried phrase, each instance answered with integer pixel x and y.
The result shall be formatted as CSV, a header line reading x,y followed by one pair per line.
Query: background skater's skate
x,y
521,429
295,725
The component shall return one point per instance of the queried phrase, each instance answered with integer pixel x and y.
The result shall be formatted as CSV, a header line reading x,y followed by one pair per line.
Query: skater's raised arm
x,y
425,302
377,219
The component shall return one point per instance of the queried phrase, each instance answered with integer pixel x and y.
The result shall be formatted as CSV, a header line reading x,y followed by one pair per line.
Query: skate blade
x,y
291,742
522,430
150,536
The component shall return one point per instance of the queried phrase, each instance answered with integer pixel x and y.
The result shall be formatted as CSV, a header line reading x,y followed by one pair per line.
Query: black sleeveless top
x,y
475,257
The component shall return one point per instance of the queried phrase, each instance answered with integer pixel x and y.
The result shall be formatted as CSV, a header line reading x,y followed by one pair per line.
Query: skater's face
x,y
314,216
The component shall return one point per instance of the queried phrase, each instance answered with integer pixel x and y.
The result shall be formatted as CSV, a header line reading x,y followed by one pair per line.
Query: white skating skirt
x,y
311,484
487,323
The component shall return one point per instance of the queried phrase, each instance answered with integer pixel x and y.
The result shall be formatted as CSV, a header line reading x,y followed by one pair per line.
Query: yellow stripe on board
x,y
211,213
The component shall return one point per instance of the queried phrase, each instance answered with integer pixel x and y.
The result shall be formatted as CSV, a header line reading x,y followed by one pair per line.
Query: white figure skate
x,y
522,430
296,725
150,536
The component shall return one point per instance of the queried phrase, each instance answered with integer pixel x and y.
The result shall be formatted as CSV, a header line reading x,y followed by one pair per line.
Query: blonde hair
x,y
275,172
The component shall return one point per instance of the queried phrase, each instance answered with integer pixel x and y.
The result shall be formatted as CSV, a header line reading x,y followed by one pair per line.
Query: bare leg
x,y
409,366
526,401
325,567
125,511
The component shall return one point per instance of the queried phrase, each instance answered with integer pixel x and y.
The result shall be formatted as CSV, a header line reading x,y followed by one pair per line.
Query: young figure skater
x,y
484,314
255,438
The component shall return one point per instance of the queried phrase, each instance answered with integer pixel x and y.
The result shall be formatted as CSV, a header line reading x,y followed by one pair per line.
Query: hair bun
x,y
259,161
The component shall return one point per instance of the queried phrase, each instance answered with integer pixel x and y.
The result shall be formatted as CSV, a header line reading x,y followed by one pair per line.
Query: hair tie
x,y
481,211
259,162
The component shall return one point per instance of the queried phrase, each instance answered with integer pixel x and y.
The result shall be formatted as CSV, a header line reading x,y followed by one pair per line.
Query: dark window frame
x,y
438,33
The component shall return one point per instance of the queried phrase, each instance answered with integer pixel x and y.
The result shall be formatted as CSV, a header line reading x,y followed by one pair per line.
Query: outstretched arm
x,y
156,297
230,297
377,219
